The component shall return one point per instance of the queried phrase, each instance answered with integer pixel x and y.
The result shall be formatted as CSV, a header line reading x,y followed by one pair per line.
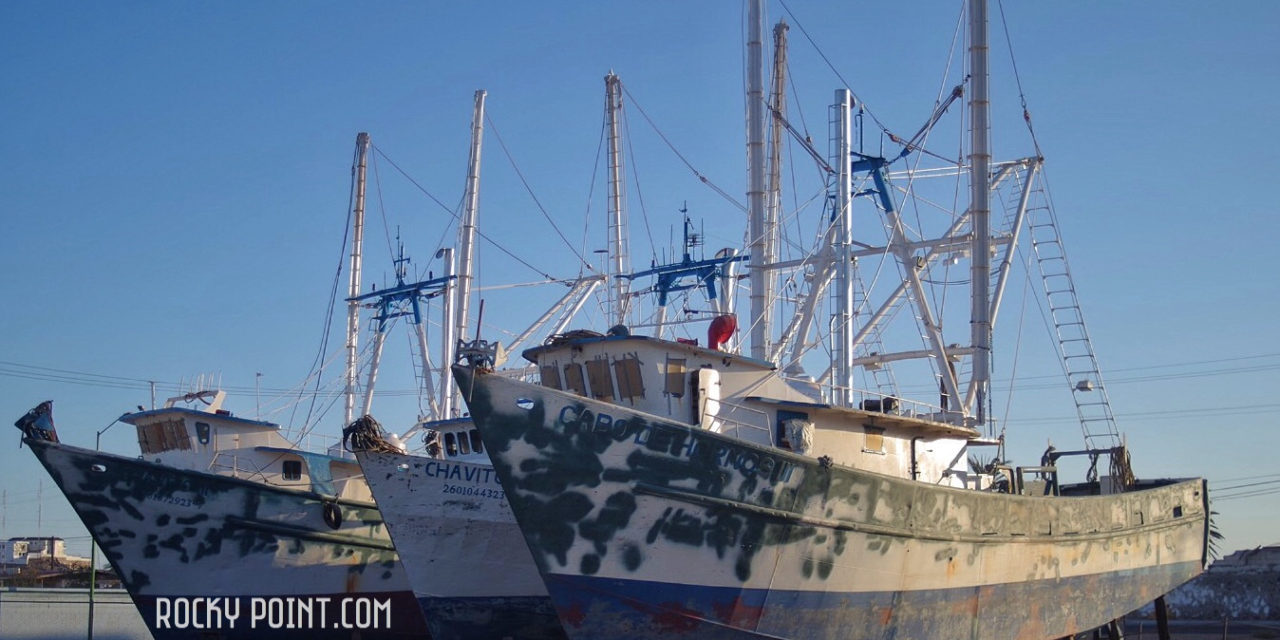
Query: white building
x,y
16,553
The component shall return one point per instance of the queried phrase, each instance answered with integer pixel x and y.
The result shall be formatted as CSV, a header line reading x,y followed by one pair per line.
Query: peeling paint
x,y
819,548
173,533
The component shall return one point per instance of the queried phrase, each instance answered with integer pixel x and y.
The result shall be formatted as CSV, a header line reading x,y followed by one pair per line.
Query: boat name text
x,y
675,442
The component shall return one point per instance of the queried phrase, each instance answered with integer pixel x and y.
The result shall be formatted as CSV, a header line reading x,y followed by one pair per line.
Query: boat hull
x,y
644,528
195,548
458,541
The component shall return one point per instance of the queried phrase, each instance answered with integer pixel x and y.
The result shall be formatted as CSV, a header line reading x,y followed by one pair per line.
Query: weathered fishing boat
x,y
667,489
447,514
223,529
714,499
465,556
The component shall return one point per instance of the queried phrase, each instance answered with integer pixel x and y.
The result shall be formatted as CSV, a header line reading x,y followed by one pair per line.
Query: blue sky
x,y
176,179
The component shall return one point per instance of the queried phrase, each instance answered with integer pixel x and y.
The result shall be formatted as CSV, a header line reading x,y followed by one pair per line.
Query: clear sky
x,y
176,180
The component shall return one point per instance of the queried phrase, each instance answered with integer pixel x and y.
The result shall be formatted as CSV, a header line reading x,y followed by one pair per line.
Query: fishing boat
x,y
458,540
668,489
224,527
448,516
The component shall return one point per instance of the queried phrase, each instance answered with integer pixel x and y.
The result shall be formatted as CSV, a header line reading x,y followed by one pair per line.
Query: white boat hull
x,y
466,559
194,548
644,528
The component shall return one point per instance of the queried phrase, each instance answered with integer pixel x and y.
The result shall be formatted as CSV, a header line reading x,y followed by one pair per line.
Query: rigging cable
x,y
382,208
1026,114
457,217
591,190
529,189
635,175
823,55
333,294
705,180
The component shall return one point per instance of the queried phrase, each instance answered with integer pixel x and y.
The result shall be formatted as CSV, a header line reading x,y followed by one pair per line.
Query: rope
x,y
365,434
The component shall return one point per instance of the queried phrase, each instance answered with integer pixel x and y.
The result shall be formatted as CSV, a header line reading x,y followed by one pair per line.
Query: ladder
x,y
873,343
1075,350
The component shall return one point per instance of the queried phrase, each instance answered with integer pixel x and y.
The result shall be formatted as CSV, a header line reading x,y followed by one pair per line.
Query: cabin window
x,y
450,445
292,470
781,426
573,379
630,382
550,376
477,445
163,435
601,381
674,385
874,439
464,444
202,432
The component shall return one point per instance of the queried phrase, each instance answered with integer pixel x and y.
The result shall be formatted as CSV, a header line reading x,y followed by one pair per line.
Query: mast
x,y
461,295
618,262
777,104
979,205
353,306
447,341
759,244
842,247
467,226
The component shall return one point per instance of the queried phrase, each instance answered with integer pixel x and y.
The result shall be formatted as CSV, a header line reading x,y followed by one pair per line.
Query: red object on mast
x,y
721,329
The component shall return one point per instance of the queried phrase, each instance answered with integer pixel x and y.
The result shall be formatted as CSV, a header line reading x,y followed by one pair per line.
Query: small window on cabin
x,y
450,445
550,376
630,382
177,435
573,380
784,439
292,470
601,381
874,439
464,444
163,435
477,445
674,385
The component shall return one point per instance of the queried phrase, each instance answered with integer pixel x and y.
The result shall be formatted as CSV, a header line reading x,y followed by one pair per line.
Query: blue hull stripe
x,y
592,607
526,618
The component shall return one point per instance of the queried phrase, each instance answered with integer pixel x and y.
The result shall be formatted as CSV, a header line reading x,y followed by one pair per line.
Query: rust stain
x,y
886,615
574,615
738,614
674,618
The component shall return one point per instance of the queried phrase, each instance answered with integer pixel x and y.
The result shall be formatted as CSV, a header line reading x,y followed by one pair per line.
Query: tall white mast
x,y
618,262
467,228
778,104
357,244
759,245
842,247
979,205
447,340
